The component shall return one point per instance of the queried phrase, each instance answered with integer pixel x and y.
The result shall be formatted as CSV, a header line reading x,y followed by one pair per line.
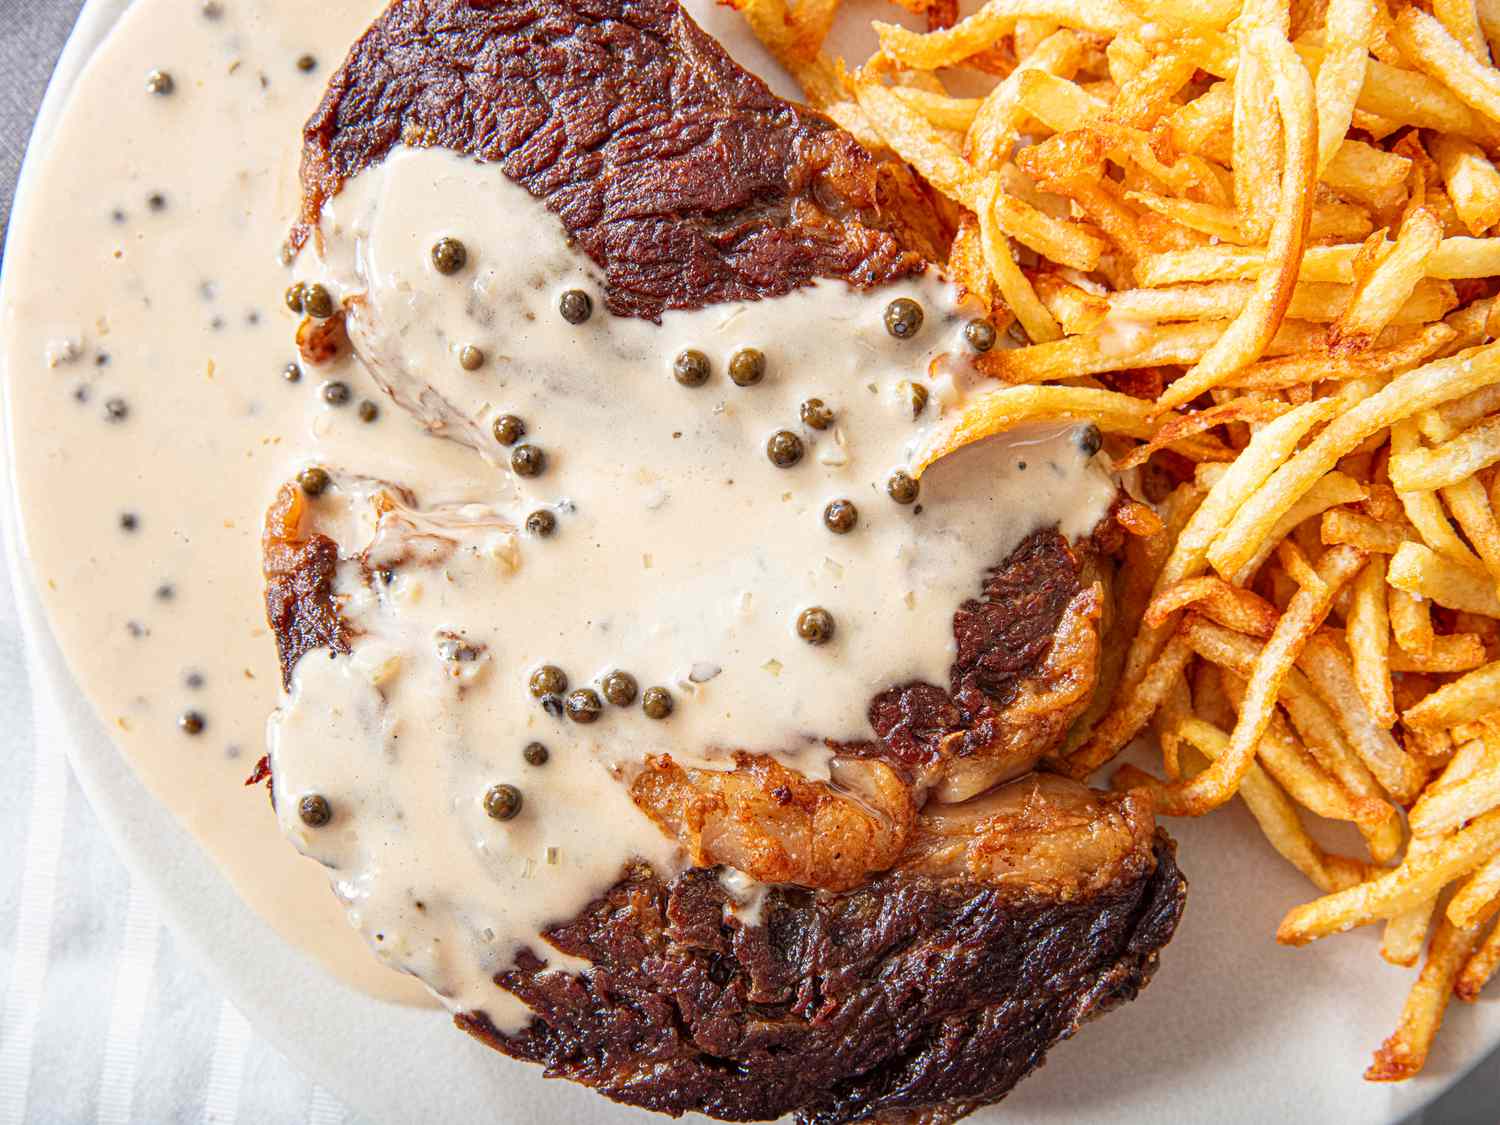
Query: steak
x,y
924,937
680,174
919,991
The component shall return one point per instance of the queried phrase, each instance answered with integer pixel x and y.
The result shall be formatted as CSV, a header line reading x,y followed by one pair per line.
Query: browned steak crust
x,y
909,993
682,176
299,572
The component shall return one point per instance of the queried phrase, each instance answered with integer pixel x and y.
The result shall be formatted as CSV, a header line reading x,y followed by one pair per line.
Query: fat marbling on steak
x,y
986,923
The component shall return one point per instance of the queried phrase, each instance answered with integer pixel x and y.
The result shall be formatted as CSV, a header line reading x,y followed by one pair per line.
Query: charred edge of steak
x,y
910,993
300,572
1003,639
680,174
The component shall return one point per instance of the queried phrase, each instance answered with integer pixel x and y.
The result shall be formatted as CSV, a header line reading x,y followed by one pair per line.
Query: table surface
x,y
101,1018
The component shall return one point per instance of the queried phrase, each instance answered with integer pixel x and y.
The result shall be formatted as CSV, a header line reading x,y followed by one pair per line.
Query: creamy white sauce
x,y
660,565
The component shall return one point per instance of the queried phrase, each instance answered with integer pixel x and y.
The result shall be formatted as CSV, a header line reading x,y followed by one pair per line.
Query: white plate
x,y
1234,1029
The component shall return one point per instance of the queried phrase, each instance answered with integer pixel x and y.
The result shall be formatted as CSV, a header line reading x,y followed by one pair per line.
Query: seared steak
x,y
927,989
926,938
679,173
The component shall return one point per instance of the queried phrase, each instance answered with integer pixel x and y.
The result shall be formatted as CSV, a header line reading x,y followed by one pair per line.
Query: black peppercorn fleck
x,y
541,523
656,702
691,368
903,318
129,521
160,82
314,481
902,487
336,393
620,688
509,429
296,297
314,810
816,415
115,410
191,722
549,679
841,516
1090,439
368,411
784,449
528,461
815,625
535,754
317,302
291,373
747,367
584,705
449,255
502,802
306,63
576,306
470,358
980,334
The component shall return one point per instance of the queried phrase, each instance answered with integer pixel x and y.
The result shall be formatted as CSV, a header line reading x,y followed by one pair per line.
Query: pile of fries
x,y
1256,242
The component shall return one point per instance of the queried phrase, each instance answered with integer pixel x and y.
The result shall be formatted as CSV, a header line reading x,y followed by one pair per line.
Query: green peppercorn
x,y
368,411
449,255
840,516
576,306
296,297
314,481
549,679
336,393
656,702
815,625
903,318
916,394
1090,439
528,461
470,358
902,487
747,367
535,754
784,449
816,415
541,523
191,722
509,429
160,82
291,373
584,705
690,368
502,802
980,334
317,302
314,810
620,688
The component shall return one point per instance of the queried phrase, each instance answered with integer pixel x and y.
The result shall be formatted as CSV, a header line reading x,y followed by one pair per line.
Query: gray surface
x,y
31,35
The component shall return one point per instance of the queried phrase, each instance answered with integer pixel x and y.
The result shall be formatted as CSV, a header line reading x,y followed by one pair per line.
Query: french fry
x,y
1348,27
1405,934
1009,280
1471,511
996,411
1404,396
1425,41
1397,890
1478,899
1455,258
1472,696
1332,678
1448,808
1369,638
1422,508
992,134
1181,426
1267,449
1447,654
1344,525
1418,569
984,28
1471,179
1250,333
1405,1051
1479,968
1423,469
1386,287
1231,606
1293,629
